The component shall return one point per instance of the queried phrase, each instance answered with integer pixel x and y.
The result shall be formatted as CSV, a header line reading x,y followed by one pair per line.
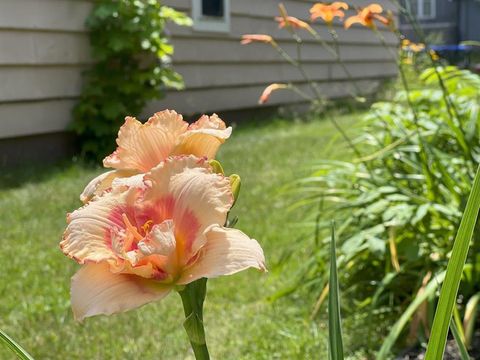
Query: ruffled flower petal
x,y
226,251
374,8
143,146
186,190
354,20
88,236
203,137
102,183
96,290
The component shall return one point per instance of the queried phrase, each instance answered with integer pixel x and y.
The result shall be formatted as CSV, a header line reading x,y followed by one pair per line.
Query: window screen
x,y
427,10
213,8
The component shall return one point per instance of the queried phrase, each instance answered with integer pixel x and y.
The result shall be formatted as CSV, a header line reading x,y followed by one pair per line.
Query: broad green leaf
x,y
448,294
335,349
177,17
15,347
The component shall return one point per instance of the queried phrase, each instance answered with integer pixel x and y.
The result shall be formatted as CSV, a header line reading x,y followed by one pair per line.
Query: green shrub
x,y
132,65
398,208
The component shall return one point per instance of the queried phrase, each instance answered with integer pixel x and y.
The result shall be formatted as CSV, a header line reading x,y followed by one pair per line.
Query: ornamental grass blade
x,y
458,338
16,348
335,350
397,328
470,317
448,294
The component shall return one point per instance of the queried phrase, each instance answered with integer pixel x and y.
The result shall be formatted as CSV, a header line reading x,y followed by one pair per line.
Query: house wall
x,y
455,21
442,27
221,74
44,49
469,20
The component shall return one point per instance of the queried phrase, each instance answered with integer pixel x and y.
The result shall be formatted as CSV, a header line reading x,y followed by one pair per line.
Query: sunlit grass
x,y
240,322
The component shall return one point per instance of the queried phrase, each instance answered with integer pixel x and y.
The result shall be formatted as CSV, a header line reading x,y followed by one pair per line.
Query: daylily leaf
x,y
334,318
16,348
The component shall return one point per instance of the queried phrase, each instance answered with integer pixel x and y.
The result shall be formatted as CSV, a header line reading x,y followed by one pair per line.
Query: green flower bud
x,y
217,167
235,183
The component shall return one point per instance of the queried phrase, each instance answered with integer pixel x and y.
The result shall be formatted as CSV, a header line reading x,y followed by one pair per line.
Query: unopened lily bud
x,y
391,21
268,91
235,183
216,167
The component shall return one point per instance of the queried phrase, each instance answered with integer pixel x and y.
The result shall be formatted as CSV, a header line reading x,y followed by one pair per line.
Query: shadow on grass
x,y
262,120
35,172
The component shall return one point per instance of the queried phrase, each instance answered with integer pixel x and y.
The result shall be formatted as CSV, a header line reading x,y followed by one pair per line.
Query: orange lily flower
x,y
137,242
268,91
249,38
328,12
291,21
417,47
366,17
407,45
143,146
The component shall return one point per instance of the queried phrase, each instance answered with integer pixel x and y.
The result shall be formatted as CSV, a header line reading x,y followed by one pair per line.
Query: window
x,y
211,15
423,9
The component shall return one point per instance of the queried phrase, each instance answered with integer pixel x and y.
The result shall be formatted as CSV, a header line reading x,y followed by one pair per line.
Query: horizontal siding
x,y
244,24
218,50
235,98
44,48
364,70
43,51
269,8
200,76
29,118
44,15
37,83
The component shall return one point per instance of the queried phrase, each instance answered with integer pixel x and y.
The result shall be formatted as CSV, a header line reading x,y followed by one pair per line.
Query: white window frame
x,y
421,15
210,24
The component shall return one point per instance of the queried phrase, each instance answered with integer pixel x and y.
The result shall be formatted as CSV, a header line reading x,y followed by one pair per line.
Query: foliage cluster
x,y
132,65
399,207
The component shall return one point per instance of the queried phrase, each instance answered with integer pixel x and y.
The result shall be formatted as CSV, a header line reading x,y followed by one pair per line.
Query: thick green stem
x,y
193,296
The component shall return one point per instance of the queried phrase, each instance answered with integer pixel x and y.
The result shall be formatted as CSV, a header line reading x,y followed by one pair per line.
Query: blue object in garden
x,y
455,54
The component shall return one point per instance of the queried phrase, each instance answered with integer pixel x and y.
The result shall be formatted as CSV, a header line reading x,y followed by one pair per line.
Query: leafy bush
x,y
399,207
132,66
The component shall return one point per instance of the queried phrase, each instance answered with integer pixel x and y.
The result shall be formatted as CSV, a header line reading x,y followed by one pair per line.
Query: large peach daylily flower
x,y
136,243
328,12
366,17
143,146
291,21
249,38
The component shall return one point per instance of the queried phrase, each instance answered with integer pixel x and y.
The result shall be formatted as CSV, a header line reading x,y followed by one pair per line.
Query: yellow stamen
x,y
146,226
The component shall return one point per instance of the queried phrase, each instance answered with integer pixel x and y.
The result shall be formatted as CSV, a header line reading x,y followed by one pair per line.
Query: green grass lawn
x,y
240,322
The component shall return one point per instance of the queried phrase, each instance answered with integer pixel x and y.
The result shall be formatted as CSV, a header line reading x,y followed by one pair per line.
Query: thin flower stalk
x,y
313,85
297,62
335,38
451,108
423,146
